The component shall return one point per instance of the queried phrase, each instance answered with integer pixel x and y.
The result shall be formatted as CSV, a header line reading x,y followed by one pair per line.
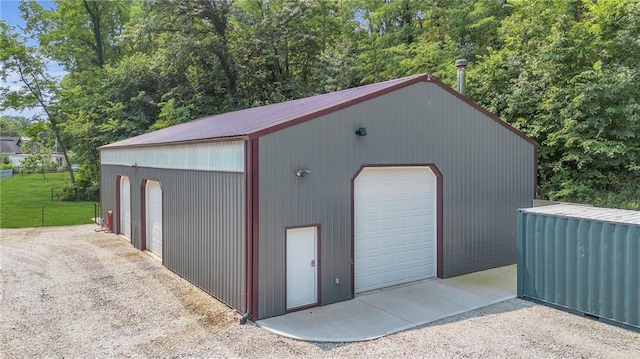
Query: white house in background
x,y
11,147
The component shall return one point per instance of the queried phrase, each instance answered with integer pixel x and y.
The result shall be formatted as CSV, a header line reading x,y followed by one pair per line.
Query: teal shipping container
x,y
585,260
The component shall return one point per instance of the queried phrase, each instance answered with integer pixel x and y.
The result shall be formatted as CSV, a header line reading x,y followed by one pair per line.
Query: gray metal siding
x,y
203,224
582,265
488,173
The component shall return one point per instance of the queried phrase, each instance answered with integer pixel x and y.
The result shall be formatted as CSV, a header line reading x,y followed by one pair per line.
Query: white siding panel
x,y
225,156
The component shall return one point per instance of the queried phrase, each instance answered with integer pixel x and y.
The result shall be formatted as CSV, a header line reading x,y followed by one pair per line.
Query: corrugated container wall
x,y
488,173
203,216
585,265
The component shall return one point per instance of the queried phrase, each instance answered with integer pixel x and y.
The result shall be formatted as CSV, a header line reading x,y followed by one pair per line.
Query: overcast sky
x,y
10,14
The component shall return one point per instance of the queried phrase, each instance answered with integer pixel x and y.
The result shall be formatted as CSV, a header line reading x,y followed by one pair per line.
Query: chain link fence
x,y
53,214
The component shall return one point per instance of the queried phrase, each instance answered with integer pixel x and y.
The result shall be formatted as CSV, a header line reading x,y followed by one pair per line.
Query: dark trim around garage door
x,y
439,213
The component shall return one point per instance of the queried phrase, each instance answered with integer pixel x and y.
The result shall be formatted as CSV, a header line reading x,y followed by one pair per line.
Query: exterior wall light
x,y
302,172
361,131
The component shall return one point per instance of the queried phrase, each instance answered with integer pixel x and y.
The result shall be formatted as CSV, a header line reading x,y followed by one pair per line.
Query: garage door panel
x,y
400,189
417,255
401,258
394,222
387,224
389,277
414,272
401,240
417,221
415,204
402,206
367,227
371,210
385,190
387,207
371,245
388,260
370,280
401,223
386,243
417,239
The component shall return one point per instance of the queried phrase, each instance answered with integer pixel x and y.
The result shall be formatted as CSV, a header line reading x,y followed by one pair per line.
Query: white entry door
x,y
394,226
125,207
302,267
153,209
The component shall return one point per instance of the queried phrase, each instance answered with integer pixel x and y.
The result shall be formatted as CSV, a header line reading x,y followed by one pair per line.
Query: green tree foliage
x,y
39,135
82,36
37,88
36,161
78,34
286,48
13,126
406,37
564,72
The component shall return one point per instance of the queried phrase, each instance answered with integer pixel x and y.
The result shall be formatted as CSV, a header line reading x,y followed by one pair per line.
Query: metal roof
x,y
585,212
10,145
257,121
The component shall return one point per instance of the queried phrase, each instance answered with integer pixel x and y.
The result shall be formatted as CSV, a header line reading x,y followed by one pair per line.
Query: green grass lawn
x,y
26,200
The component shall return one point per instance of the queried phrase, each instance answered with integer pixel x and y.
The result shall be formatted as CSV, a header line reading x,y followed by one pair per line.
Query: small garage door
x,y
125,207
153,210
394,226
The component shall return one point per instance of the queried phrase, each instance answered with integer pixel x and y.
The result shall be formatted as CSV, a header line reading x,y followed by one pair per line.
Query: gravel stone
x,y
76,292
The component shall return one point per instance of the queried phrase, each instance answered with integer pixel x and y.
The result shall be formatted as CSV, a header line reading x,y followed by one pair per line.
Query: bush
x,y
87,186
51,167
619,191
6,166
77,193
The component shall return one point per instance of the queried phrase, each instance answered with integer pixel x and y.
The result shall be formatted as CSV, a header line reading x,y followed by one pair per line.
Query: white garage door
x,y
395,226
125,207
153,209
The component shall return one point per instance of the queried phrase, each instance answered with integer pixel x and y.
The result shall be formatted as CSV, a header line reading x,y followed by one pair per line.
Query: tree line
x,y
565,72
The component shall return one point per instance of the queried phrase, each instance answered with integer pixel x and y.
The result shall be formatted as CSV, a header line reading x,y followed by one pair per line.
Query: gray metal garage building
x,y
311,201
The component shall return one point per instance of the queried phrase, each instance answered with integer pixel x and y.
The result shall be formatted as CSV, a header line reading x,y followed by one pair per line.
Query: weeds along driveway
x,y
74,292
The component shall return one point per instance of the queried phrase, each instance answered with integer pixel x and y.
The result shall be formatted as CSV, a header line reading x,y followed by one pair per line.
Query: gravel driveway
x,y
74,292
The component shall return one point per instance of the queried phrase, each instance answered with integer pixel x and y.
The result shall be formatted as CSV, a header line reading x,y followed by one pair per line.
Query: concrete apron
x,y
385,311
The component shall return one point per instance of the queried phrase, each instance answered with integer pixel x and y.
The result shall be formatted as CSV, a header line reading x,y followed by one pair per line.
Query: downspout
x,y
245,317
251,215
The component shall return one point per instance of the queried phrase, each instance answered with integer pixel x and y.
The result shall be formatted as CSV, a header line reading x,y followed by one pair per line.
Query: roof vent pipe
x,y
461,64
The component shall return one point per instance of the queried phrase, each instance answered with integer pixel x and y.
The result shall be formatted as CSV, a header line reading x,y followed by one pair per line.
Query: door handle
x,y
313,262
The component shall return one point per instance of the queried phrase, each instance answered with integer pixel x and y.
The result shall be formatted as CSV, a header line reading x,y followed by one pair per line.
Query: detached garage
x,y
312,201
